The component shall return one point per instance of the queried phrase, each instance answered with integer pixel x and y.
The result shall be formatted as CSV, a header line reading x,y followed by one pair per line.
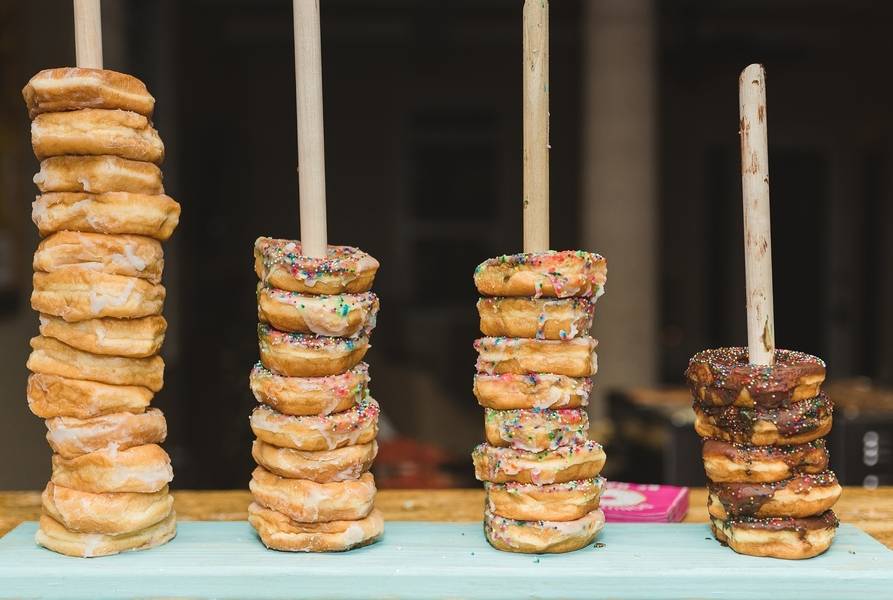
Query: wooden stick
x,y
88,33
311,146
757,231
536,125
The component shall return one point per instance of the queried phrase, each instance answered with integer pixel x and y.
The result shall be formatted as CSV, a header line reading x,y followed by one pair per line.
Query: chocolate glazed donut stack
x,y
316,422
539,468
95,365
770,490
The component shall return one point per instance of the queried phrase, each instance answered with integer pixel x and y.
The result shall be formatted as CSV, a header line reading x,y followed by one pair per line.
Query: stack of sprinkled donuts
x,y
539,468
316,422
95,365
770,490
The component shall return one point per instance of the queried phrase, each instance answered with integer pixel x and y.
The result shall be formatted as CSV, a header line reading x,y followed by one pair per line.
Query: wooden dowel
x,y
311,146
88,34
757,231
536,125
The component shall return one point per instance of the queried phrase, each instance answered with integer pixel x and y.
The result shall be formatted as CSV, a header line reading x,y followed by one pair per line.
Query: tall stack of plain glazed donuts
x,y
95,366
770,492
539,467
316,422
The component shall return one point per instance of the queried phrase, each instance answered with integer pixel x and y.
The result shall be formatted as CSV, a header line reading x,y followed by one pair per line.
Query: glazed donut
x,y
535,430
567,501
574,358
53,535
74,88
357,425
143,469
345,270
799,423
130,255
502,465
303,396
80,294
52,396
730,463
540,318
98,174
798,497
306,501
110,514
70,437
325,466
534,390
55,358
552,274
777,537
95,131
155,216
307,355
133,338
342,315
278,532
724,377
542,537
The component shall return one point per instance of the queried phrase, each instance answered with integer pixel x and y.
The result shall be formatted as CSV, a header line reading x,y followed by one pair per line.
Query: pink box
x,y
644,503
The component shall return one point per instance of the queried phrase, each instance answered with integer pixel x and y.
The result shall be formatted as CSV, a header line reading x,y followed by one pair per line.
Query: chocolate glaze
x,y
811,457
800,417
746,499
823,521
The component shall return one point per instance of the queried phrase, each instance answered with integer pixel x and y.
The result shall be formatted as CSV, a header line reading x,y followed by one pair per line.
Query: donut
x,y
798,497
70,437
134,338
110,514
303,396
567,463
98,174
74,88
325,466
345,270
731,463
783,537
573,358
155,216
130,255
358,425
551,274
540,318
341,315
542,537
566,501
55,358
143,469
534,390
278,532
52,396
535,430
307,355
95,131
724,377
54,536
307,501
80,294
799,423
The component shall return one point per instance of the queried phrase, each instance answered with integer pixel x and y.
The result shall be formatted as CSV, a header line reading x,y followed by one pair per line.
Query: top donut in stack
x,y
316,422
539,468
770,490
95,367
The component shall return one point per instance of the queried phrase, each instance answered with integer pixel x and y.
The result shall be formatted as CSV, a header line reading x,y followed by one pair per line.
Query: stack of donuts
x,y
539,468
770,492
95,366
316,422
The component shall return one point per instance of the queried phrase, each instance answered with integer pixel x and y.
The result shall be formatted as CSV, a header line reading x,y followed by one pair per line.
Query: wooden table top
x,y
870,510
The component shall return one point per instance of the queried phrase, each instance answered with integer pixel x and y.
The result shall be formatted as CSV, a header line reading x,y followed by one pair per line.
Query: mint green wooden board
x,y
446,560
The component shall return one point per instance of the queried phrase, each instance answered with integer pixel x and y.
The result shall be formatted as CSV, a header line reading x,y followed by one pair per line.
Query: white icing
x,y
353,535
100,301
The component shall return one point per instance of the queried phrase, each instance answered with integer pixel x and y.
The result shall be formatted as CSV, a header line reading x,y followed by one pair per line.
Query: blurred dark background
x,y
423,156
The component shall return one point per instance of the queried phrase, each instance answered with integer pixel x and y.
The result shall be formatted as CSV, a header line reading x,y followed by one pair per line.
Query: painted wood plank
x,y
445,560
